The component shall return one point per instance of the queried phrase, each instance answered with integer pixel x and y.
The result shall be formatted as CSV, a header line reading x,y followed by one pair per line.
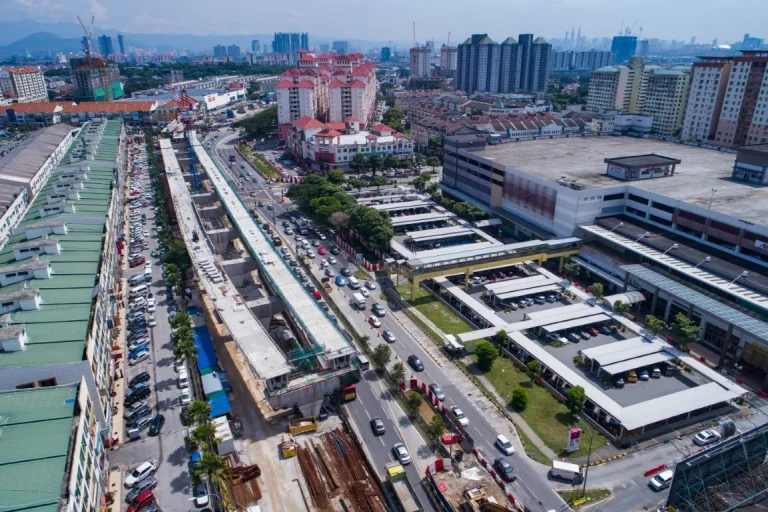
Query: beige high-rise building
x,y
709,81
666,93
23,84
609,90
744,115
638,77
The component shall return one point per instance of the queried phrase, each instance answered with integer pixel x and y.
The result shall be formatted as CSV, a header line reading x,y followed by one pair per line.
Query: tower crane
x,y
91,50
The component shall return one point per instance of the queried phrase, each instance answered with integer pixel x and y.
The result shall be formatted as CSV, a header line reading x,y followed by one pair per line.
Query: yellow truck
x,y
301,425
398,480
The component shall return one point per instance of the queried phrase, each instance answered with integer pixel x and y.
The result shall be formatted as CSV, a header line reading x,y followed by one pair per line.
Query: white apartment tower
x,y
23,84
609,90
420,57
709,81
744,115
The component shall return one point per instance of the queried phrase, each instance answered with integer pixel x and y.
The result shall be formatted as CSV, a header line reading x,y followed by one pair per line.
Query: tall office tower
x,y
325,48
643,47
265,48
341,47
23,84
386,54
623,47
693,40
578,38
431,44
233,51
304,41
121,43
255,46
573,35
105,46
609,90
665,98
220,51
742,117
709,81
448,57
420,57
512,66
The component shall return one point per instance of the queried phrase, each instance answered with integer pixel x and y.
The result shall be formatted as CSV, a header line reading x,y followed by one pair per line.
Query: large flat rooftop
x,y
582,159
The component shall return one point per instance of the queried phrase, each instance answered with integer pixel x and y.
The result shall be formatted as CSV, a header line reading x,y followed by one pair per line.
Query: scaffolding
x,y
732,475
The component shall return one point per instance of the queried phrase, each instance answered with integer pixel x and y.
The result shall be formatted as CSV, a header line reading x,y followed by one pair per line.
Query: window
x,y
613,197
638,199
663,207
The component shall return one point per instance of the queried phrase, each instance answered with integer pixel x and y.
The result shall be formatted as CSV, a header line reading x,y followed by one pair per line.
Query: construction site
x,y
94,77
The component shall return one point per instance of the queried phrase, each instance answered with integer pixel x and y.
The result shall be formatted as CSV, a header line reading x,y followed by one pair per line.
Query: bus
x,y
349,393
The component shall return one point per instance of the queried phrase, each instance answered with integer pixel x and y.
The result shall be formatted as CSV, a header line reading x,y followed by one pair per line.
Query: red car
x,y
321,250
593,331
316,294
136,263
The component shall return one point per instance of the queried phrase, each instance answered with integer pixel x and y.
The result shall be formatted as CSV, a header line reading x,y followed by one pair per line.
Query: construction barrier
x,y
653,471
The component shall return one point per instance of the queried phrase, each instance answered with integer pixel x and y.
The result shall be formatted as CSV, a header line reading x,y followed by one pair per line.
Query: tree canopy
x,y
259,125
393,118
485,354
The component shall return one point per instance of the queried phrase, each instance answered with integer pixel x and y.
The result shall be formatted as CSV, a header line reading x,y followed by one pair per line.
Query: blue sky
x,y
392,19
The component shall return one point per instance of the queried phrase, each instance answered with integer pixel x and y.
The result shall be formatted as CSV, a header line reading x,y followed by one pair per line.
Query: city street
x,y
168,450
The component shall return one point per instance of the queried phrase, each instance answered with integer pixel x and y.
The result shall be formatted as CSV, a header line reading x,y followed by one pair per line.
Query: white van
x,y
148,274
661,481
353,283
183,379
362,361
566,471
503,444
359,300
139,290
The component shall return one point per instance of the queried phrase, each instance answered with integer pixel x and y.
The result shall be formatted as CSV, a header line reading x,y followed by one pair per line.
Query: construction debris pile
x,y
334,470
243,486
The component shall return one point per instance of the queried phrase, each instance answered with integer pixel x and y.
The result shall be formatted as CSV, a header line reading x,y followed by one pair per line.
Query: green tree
x,y
686,331
336,177
435,429
412,404
572,270
325,206
534,366
261,125
204,435
378,181
433,162
358,163
393,118
185,350
181,318
420,183
365,343
199,411
375,162
339,221
620,307
374,226
183,334
210,465
435,145
485,355
655,325
380,357
391,161
421,161
356,183
596,290
398,375
177,255
519,399
575,398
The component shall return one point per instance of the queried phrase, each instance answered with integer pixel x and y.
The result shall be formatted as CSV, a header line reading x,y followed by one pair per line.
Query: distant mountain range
x,y
19,37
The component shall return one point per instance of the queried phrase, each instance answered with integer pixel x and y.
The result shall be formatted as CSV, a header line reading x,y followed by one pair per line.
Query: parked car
x,y
631,376
200,494
136,358
147,484
643,374
460,416
371,285
661,481
345,272
619,382
593,331
143,471
138,379
186,397
388,336
504,469
707,437
157,425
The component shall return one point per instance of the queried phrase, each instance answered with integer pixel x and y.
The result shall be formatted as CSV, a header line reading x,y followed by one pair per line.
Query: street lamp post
x,y
589,457
705,260
671,248
711,198
644,235
743,274
619,225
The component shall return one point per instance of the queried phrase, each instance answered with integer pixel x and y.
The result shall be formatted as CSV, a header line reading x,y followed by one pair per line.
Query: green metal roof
x,y
57,332
67,296
52,313
37,424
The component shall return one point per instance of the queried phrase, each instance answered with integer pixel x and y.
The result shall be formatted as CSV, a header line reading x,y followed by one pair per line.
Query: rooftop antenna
x,y
449,39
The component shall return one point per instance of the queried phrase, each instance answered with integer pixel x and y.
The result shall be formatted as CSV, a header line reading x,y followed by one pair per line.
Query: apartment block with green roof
x,y
59,275
52,457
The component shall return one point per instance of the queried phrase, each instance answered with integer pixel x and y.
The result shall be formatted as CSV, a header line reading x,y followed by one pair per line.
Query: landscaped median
x,y
575,498
437,312
259,162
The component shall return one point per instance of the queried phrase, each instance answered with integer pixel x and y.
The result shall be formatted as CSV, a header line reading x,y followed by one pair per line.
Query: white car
x,y
706,437
152,321
151,300
365,293
140,473
186,398
332,260
463,421
141,356
311,253
324,263
151,308
370,285
179,365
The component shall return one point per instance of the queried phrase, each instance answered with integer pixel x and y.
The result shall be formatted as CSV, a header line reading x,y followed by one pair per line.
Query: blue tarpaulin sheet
x,y
219,404
206,356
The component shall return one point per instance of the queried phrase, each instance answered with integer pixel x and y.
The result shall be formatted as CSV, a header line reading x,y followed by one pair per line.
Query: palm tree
x,y
182,335
185,349
181,319
199,412
204,435
212,466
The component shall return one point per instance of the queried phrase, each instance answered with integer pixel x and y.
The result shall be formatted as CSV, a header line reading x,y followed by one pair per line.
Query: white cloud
x,y
99,11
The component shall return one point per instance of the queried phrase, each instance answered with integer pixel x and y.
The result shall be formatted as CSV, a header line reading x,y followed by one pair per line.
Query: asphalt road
x,y
168,450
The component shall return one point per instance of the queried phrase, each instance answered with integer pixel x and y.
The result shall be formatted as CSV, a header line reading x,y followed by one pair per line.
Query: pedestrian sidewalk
x,y
115,486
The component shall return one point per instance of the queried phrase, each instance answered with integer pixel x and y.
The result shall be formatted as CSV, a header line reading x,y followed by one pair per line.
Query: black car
x,y
345,272
415,363
132,397
157,424
335,251
377,426
378,310
138,379
504,469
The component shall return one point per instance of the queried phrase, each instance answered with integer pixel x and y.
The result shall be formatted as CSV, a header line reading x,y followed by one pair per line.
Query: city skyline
x,y
596,18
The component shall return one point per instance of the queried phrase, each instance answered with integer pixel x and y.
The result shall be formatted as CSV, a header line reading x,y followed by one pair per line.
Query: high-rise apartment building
x,y
233,51
289,44
121,44
420,57
255,46
709,81
386,54
665,98
340,47
23,84
105,46
643,48
624,47
325,48
744,115
448,59
95,79
512,66
570,61
609,90
220,51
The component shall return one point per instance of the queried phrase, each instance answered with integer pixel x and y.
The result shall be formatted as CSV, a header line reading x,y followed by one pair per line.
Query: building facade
x,y
386,54
609,90
121,44
289,44
512,66
340,47
448,59
623,47
233,51
576,62
95,79
220,51
665,99
743,118
23,84
105,46
709,82
420,61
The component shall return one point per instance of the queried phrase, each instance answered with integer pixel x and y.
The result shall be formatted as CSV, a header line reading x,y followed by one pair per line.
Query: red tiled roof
x,y
324,67
381,127
181,102
307,122
328,133
305,84
371,136
398,135
324,56
336,126
307,58
285,84
111,106
337,83
339,72
21,69
357,84
290,72
352,119
38,107
309,71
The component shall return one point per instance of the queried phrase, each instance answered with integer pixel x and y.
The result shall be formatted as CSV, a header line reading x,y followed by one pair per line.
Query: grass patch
x,y
259,162
362,274
574,498
531,449
437,312
545,415
425,411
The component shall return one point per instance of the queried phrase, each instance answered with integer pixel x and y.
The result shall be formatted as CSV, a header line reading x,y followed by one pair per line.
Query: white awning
x,y
487,223
636,363
529,291
628,298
